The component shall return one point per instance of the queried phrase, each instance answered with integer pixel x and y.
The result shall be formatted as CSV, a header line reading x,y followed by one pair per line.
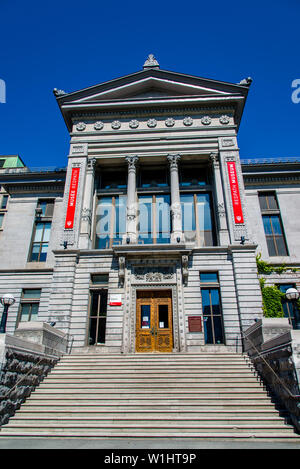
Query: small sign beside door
x,y
115,300
195,324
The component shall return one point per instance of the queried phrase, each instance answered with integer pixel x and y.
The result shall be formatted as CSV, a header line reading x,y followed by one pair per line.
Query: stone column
x,y
223,233
131,217
85,241
176,213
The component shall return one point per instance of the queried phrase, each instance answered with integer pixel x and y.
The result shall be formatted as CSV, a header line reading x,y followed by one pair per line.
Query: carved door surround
x,y
152,274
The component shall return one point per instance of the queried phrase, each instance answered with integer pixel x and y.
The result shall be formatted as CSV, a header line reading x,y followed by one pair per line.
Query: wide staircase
x,y
207,395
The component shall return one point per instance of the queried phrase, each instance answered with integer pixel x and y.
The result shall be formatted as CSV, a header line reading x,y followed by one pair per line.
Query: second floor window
x,y
110,221
40,242
197,220
41,231
272,224
154,219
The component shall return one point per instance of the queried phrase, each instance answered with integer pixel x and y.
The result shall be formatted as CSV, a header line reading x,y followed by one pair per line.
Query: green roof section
x,y
11,161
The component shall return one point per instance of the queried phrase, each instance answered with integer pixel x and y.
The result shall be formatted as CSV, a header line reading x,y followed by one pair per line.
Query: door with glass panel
x,y
154,328
98,310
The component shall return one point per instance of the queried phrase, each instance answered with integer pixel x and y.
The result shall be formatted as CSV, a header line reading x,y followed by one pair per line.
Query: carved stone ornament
x,y
188,121
116,125
81,126
221,210
152,123
86,214
98,125
185,269
133,124
154,274
214,159
91,163
224,119
131,160
176,211
169,122
227,142
151,62
122,269
206,120
173,160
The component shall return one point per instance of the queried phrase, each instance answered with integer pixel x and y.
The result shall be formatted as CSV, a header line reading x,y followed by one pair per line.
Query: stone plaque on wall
x,y
195,324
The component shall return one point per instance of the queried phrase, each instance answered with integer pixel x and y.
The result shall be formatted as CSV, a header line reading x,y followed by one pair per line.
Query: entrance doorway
x,y
154,325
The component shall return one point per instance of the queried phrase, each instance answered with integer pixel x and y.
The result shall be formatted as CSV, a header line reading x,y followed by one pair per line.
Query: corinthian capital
x,y
131,160
173,160
214,158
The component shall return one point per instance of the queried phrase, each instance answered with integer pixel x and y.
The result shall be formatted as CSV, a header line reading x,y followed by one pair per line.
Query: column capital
x,y
132,160
214,158
173,160
91,163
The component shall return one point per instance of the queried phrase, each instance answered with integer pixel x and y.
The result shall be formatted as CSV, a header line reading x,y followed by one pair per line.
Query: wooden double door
x,y
154,325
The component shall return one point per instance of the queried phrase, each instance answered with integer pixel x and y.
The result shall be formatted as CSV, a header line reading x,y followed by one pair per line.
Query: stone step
x,y
144,413
146,374
226,435
63,380
149,400
64,385
144,426
141,419
147,394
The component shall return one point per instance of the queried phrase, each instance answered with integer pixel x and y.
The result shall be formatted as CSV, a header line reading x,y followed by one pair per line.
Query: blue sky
x,y
74,44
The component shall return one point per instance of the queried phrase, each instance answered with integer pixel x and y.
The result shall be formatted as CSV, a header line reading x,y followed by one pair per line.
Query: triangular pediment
x,y
147,88
150,87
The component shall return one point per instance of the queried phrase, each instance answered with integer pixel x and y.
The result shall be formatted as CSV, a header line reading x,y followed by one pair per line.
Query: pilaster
x,y
223,234
85,241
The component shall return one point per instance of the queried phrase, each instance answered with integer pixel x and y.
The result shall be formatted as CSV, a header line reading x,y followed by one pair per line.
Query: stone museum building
x,y
147,240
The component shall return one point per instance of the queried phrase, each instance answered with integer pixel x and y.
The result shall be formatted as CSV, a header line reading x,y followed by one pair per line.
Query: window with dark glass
x,y
190,176
211,308
98,309
41,230
112,179
154,225
29,305
40,242
3,206
272,224
110,221
153,177
197,219
290,308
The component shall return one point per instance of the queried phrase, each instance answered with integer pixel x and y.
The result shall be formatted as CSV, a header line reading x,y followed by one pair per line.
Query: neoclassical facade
x,y
147,241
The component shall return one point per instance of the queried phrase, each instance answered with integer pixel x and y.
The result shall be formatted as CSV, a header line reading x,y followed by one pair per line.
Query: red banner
x,y
72,199
235,193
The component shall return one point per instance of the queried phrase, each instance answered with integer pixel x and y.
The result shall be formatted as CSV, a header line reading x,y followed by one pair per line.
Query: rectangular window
x,y
40,242
149,177
197,220
47,208
3,206
112,180
29,305
211,308
190,176
110,221
154,225
272,224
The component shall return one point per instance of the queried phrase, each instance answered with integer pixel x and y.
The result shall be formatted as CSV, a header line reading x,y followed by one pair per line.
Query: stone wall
x,y
25,359
274,349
